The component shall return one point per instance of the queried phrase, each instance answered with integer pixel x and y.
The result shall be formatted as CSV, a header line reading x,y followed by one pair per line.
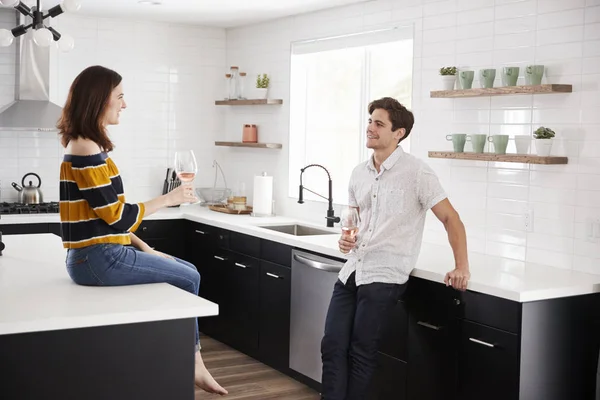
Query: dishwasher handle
x,y
317,264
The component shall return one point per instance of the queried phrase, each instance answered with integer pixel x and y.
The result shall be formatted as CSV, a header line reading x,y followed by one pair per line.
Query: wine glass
x,y
186,167
349,221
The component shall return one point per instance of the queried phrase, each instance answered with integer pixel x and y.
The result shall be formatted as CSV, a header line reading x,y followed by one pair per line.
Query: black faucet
x,y
331,218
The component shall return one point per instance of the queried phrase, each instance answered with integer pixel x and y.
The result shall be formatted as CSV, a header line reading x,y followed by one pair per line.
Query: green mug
x,y
478,142
487,77
534,74
458,141
500,143
466,79
510,75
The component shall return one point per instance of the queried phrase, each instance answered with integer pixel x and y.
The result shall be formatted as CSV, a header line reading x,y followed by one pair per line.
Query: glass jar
x,y
227,86
242,86
234,92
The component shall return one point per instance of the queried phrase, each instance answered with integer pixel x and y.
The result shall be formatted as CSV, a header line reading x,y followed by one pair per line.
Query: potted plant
x,y
448,75
262,85
543,141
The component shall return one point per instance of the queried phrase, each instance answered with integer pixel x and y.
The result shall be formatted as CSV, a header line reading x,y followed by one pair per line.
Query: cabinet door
x,y
214,286
389,382
240,304
489,364
274,315
432,355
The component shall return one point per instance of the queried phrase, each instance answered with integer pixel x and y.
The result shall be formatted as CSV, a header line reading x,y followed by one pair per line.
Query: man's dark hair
x,y
399,115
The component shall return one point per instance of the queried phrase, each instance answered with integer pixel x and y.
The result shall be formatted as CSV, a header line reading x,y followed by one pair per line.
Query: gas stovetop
x,y
19,208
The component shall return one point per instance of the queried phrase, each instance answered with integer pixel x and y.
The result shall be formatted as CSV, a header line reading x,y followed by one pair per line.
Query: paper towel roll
x,y
263,195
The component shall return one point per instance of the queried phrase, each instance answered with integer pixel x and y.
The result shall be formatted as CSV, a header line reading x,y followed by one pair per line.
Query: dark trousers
x,y
352,331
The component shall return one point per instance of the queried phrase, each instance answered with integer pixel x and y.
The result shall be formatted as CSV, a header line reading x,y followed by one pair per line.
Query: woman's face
x,y
116,103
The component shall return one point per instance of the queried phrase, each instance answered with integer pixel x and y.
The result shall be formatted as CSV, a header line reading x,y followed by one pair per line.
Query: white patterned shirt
x,y
393,204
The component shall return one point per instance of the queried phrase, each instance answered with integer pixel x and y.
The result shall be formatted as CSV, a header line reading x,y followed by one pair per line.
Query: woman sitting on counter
x,y
97,224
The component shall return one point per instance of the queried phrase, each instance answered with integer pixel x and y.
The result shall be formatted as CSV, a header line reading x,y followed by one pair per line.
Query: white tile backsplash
x,y
166,74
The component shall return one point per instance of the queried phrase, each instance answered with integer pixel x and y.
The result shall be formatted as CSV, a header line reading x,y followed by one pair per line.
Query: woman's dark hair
x,y
83,113
399,115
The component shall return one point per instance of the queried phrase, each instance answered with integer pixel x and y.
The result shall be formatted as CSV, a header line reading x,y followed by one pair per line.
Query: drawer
x,y
432,300
244,244
244,262
276,252
23,229
159,228
491,311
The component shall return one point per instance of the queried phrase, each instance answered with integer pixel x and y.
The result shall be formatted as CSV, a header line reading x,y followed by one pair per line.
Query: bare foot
x,y
204,380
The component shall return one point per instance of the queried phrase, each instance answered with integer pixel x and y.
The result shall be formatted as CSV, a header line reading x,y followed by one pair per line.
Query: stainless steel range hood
x,y
32,109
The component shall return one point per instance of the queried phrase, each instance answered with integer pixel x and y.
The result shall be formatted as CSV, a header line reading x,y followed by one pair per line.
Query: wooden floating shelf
x,y
516,158
502,91
253,145
249,102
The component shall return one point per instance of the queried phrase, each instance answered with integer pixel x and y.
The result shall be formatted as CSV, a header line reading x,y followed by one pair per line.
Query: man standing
x,y
392,191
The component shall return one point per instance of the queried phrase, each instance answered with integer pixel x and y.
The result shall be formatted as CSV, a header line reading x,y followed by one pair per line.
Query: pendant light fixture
x,y
42,35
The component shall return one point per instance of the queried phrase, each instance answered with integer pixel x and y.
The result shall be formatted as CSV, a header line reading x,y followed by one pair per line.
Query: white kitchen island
x,y
62,340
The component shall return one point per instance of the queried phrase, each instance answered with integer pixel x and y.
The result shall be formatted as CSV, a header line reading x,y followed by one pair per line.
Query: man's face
x,y
379,131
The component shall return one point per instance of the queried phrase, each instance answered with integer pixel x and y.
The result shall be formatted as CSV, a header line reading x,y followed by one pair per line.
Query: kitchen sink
x,y
298,230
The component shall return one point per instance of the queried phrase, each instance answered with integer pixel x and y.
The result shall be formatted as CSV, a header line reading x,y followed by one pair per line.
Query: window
x,y
332,82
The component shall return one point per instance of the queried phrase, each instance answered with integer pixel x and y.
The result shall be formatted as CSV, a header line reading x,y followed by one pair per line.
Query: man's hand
x,y
347,243
458,278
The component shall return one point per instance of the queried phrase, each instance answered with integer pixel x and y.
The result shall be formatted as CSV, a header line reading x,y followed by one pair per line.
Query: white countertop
x,y
36,293
502,277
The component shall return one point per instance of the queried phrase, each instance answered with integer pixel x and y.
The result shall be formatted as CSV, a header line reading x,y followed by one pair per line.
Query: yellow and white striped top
x,y
92,203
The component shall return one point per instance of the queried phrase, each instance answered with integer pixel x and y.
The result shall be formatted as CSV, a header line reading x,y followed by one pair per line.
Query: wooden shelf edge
x,y
249,102
502,90
251,145
516,158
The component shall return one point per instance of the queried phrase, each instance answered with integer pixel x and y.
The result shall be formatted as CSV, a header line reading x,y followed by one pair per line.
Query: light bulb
x,y
70,5
6,38
66,43
9,3
43,37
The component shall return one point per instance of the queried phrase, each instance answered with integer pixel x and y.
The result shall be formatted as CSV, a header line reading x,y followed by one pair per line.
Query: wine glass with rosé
x,y
186,167
349,221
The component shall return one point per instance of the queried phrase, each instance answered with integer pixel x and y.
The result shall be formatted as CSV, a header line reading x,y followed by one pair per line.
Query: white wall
x,y
492,198
170,75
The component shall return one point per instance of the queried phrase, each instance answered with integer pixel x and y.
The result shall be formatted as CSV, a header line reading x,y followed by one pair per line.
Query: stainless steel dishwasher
x,y
313,278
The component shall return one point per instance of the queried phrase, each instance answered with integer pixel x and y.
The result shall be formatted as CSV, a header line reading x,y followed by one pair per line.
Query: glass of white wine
x,y
349,222
186,168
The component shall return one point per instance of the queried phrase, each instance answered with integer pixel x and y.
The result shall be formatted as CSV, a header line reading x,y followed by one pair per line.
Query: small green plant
x,y
262,82
543,133
448,71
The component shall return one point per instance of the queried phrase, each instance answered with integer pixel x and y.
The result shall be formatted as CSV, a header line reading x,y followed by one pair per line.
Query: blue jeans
x,y
117,265
353,329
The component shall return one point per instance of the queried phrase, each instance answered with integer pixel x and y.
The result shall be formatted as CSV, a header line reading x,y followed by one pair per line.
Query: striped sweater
x,y
92,204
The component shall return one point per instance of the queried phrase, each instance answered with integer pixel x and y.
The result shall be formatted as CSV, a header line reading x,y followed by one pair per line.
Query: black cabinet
x,y
274,314
24,229
240,303
390,382
164,236
489,363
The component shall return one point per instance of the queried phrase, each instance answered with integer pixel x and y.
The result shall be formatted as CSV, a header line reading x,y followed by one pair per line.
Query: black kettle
x,y
29,194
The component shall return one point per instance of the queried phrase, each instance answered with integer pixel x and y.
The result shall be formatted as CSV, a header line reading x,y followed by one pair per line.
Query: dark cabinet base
x,y
152,360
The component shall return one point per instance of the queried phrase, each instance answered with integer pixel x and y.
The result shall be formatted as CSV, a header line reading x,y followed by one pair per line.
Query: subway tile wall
x,y
170,79
492,198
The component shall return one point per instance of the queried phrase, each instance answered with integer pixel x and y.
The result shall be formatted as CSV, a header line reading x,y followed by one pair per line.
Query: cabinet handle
x,y
273,275
240,265
200,232
426,325
481,342
219,258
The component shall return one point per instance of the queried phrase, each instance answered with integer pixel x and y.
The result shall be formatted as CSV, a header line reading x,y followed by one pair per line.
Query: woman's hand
x,y
180,195
150,250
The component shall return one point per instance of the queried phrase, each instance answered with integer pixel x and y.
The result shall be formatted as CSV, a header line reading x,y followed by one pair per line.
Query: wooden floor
x,y
245,378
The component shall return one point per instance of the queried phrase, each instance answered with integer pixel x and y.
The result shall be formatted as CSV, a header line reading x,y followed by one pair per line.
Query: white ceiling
x,y
220,13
